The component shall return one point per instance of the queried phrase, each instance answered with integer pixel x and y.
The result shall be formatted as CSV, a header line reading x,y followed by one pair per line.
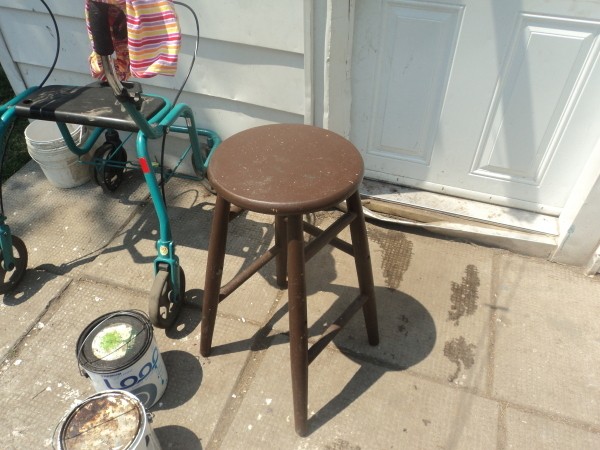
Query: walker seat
x,y
92,105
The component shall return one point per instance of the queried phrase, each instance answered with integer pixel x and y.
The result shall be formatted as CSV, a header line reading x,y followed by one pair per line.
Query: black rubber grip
x,y
100,28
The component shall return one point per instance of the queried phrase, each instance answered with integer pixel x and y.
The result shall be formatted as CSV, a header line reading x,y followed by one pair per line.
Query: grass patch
x,y
15,155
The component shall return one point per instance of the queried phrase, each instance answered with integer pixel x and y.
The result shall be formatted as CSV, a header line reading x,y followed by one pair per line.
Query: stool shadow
x,y
407,336
261,340
407,331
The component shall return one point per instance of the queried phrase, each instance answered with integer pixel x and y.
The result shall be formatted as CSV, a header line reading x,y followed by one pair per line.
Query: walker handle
x,y
100,28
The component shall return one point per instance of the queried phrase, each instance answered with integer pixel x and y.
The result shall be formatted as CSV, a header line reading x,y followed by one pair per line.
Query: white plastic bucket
x,y
47,147
106,420
118,351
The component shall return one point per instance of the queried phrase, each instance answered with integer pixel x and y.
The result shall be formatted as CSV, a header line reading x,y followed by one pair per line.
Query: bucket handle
x,y
131,313
82,131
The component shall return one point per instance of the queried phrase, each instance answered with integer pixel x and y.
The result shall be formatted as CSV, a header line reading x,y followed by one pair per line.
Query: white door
x,y
492,100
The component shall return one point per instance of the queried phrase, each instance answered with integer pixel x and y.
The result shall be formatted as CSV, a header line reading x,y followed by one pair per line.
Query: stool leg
x,y
297,316
364,271
214,273
281,258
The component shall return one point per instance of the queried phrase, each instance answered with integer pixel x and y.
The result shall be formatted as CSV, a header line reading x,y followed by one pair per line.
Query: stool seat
x,y
283,169
288,171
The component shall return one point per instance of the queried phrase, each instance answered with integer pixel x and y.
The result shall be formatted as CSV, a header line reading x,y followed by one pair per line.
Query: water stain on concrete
x,y
460,353
464,295
397,254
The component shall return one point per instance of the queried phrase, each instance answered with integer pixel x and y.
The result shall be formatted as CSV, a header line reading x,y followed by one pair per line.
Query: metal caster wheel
x,y
109,172
162,310
10,278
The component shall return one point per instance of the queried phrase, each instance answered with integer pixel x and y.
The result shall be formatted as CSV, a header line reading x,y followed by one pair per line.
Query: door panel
x,y
418,47
482,99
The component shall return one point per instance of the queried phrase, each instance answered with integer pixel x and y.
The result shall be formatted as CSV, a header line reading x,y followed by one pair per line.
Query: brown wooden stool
x,y
288,171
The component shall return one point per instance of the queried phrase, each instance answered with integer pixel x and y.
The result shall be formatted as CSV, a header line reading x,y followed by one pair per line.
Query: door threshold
x,y
520,231
485,213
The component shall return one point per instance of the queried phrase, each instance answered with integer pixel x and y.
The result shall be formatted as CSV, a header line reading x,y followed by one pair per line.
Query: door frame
x,y
579,232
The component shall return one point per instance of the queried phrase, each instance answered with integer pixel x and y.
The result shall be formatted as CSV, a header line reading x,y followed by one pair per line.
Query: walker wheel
x,y
10,278
162,309
108,172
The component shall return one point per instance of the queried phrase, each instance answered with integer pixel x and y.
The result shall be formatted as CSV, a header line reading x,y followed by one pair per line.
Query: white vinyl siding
x,y
249,69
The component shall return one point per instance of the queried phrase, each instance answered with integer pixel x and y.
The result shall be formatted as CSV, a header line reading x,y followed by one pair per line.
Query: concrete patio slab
x,y
22,309
356,405
65,228
199,388
525,430
545,342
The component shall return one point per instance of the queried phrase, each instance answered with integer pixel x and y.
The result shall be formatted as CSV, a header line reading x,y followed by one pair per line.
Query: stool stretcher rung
x,y
328,236
333,329
245,274
323,237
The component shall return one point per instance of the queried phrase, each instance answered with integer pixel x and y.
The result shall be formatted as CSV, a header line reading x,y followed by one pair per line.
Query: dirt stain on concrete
x,y
464,295
397,254
341,444
460,353
403,327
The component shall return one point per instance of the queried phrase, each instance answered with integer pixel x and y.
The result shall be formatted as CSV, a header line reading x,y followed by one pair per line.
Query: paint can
x,y
109,419
119,351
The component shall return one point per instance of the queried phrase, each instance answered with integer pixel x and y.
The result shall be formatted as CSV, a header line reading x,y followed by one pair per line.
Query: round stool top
x,y
285,169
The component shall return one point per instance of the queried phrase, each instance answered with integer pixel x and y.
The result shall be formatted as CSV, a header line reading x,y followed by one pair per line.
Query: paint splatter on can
x,y
118,351
109,419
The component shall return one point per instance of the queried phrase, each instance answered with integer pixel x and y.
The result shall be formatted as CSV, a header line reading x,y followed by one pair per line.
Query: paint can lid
x,y
109,419
114,342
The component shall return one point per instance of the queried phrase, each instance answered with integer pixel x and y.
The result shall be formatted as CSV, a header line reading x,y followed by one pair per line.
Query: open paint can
x,y
118,351
109,419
